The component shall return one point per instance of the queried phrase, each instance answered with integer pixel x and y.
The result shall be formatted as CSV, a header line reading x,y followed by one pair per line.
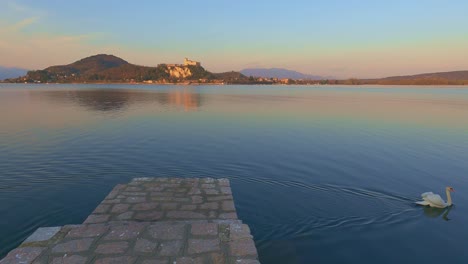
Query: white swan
x,y
434,200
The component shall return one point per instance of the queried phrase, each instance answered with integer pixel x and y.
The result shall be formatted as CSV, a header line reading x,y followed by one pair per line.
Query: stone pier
x,y
150,220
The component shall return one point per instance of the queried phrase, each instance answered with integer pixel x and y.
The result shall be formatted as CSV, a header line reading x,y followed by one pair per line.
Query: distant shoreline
x,y
109,69
242,84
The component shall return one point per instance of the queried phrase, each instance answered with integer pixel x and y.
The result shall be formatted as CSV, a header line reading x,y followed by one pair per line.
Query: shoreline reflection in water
x,y
109,100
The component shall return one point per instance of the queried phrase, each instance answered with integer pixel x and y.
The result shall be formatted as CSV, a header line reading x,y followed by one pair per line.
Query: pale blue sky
x,y
333,38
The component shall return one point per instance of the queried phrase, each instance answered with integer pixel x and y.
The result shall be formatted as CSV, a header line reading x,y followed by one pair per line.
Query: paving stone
x,y
78,245
22,255
155,189
95,218
133,194
204,229
169,206
196,246
184,260
120,208
149,216
144,179
188,207
224,233
165,193
219,198
207,180
182,199
102,208
135,200
88,231
212,214
207,185
169,185
155,261
210,191
161,199
226,190
111,201
185,215
43,234
115,191
116,260
239,231
170,248
125,216
145,245
133,189
228,206
145,206
112,248
70,259
197,199
223,182
210,206
247,261
125,232
167,231
232,215
242,247
161,179
218,258
194,191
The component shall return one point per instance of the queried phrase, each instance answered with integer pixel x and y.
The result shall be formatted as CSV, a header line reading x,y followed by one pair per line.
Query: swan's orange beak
x,y
452,189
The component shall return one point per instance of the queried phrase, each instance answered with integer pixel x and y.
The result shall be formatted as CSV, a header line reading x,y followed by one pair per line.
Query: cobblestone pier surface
x,y
150,220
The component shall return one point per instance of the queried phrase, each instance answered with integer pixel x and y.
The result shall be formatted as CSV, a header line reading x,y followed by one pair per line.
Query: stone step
x,y
150,220
165,199
139,242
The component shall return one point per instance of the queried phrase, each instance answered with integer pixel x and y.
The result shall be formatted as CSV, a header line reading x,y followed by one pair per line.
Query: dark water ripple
x,y
317,182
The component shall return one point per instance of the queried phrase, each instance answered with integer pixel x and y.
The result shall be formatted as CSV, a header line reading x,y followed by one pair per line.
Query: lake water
x,y
321,174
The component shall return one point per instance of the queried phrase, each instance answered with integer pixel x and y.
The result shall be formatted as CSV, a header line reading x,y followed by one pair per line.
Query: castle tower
x,y
188,62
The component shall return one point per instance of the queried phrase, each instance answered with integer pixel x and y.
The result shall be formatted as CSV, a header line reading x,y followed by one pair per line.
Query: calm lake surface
x,y
321,174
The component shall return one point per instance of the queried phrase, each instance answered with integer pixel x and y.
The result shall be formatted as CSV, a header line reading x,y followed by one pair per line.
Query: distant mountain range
x,y
7,72
279,73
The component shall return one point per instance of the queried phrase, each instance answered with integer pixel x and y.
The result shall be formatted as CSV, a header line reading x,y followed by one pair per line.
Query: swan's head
x,y
450,189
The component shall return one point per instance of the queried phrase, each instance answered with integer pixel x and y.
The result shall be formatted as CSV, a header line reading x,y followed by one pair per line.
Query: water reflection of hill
x,y
109,100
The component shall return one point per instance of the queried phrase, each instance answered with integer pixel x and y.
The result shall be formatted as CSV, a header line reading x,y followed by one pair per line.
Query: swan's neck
x,y
449,198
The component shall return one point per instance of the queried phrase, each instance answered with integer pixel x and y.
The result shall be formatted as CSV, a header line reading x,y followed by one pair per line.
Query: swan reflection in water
x,y
433,212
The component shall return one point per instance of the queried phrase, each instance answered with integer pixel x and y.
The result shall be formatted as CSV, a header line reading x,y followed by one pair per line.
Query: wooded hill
x,y
437,78
109,68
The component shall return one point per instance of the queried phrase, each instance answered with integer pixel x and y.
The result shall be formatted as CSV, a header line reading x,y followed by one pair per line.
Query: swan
x,y
434,200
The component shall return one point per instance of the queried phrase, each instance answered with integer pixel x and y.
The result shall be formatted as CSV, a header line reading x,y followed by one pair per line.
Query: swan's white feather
x,y
434,200
426,194
423,203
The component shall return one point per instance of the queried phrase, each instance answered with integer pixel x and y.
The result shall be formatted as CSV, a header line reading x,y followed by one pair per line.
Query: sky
x,y
342,39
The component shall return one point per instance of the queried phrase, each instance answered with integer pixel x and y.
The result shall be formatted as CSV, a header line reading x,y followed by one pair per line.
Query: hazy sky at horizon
x,y
329,38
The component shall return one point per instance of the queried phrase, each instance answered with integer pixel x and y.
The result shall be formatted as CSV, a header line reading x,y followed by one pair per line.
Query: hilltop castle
x,y
188,62
181,70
